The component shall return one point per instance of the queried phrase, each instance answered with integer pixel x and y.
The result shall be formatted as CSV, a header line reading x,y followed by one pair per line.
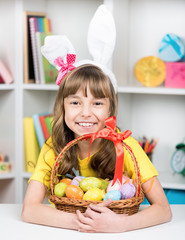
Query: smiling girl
x,y
86,97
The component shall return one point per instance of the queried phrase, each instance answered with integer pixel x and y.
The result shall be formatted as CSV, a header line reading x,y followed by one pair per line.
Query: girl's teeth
x,y
86,124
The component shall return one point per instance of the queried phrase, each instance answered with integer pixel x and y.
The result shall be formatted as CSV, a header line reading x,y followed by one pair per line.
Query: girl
x,y
86,97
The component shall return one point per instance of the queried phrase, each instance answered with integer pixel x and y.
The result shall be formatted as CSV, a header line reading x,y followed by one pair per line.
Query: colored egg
x,y
74,192
113,194
127,190
76,180
116,185
90,182
94,194
59,189
66,180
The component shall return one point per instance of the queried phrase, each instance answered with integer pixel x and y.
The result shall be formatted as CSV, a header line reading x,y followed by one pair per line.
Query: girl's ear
x,y
101,35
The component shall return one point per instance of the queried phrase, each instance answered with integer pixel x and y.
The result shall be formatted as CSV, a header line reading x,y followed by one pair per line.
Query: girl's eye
x,y
75,103
98,103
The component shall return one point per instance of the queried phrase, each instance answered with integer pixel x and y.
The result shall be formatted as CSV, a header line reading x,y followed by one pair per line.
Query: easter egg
x,y
90,182
94,194
66,180
113,194
74,192
116,185
59,189
76,180
127,190
104,184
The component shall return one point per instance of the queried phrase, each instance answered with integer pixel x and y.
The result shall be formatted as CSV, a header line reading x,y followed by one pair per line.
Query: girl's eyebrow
x,y
73,96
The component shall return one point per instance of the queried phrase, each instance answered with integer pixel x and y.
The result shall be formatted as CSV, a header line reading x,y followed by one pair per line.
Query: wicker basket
x,y
127,206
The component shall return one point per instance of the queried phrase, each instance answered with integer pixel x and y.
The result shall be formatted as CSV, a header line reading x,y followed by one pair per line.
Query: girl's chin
x,y
84,131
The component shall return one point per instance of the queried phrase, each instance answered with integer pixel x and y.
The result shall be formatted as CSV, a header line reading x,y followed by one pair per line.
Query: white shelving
x,y
155,90
10,175
156,112
172,180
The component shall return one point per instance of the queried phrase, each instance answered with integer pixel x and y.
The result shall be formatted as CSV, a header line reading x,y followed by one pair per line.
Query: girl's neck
x,y
83,148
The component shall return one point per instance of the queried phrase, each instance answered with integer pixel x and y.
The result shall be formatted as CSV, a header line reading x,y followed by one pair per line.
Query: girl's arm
x,y
34,211
102,219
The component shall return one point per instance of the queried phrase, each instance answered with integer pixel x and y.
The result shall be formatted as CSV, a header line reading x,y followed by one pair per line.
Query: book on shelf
x,y
48,121
40,27
33,29
38,128
29,76
5,75
47,25
40,24
45,129
31,144
48,72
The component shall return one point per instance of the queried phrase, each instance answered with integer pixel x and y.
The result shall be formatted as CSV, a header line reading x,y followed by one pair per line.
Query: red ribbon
x,y
110,133
65,67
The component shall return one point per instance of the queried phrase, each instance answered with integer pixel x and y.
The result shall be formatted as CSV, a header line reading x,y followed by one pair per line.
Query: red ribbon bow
x,y
110,133
65,67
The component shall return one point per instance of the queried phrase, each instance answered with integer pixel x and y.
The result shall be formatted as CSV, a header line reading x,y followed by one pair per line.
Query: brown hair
x,y
103,162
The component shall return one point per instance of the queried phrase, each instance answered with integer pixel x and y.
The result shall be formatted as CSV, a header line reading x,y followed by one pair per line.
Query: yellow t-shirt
x,y
47,157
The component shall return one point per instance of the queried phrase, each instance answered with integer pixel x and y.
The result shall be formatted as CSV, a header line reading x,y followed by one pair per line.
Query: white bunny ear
x,y
56,46
101,35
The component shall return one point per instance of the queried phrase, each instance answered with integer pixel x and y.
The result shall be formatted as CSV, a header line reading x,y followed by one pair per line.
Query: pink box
x,y
175,75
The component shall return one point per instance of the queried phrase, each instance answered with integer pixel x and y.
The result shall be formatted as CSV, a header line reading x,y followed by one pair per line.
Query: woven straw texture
x,y
127,206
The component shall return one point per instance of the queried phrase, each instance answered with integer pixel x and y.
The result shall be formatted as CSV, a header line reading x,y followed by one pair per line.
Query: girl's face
x,y
85,115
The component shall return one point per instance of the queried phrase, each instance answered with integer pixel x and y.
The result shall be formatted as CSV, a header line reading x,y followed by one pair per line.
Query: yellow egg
x,y
94,194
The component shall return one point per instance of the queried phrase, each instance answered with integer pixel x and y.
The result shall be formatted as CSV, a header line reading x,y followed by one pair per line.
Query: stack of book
x,y
39,28
37,129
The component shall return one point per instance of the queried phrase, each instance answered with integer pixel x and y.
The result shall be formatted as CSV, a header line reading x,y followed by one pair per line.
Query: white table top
x,y
12,228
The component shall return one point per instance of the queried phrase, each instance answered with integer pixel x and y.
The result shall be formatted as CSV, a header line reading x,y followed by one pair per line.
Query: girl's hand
x,y
99,218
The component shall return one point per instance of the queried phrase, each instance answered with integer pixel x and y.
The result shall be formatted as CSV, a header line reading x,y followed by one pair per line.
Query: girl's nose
x,y
86,110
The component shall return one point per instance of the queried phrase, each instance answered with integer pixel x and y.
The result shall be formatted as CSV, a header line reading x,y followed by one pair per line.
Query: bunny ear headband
x,y
60,52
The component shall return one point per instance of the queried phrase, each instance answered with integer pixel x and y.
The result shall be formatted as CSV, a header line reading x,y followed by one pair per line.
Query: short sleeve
x,y
147,169
44,165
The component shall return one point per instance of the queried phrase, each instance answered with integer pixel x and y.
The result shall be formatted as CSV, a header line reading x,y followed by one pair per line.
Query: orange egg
x,y
66,180
74,192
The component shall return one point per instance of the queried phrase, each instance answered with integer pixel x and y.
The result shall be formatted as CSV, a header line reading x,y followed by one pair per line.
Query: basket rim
x,y
130,202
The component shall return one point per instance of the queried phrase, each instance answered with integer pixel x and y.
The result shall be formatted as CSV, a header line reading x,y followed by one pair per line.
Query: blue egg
x,y
113,194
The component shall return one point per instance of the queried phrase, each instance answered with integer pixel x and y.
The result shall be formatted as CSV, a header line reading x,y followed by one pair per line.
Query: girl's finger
x,y
83,219
83,227
105,203
98,208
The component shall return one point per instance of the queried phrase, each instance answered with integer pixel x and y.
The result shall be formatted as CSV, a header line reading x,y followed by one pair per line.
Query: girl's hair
x,y
103,162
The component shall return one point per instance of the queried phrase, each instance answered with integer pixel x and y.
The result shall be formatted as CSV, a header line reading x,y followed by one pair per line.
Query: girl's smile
x,y
85,114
